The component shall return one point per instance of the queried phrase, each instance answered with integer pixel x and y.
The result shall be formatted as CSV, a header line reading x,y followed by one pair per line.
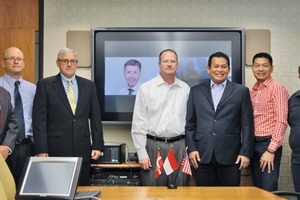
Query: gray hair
x,y
66,50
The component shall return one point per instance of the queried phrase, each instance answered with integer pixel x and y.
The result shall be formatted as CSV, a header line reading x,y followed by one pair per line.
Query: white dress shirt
x,y
160,110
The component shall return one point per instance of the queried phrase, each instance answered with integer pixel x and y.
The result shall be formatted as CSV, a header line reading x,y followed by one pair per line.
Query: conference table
x,y
188,192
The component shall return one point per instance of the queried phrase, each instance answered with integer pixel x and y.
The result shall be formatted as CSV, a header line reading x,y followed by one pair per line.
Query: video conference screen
x,y
112,48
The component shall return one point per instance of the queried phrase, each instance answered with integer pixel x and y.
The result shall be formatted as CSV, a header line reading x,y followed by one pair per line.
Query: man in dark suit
x,y
63,107
219,126
8,124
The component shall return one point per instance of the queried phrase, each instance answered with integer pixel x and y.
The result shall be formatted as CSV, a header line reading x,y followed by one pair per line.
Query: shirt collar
x,y
263,84
11,81
212,84
160,81
64,78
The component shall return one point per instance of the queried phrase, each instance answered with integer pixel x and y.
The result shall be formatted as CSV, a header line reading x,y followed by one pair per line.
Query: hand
x,y
95,154
4,151
243,160
194,157
145,163
42,155
267,160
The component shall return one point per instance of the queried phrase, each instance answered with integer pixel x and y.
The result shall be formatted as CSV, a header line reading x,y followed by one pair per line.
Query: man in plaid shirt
x,y
270,105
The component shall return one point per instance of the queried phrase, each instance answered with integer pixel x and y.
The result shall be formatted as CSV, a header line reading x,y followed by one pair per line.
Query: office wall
x,y
280,17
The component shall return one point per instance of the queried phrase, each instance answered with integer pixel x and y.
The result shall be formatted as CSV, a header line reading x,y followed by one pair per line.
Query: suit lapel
x,y
81,91
4,109
228,90
207,92
60,90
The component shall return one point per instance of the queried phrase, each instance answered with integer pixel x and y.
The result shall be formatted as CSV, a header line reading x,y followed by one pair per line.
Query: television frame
x,y
25,186
102,35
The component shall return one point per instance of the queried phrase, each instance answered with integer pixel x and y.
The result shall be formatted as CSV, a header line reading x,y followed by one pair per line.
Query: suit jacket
x,y
8,123
57,131
226,132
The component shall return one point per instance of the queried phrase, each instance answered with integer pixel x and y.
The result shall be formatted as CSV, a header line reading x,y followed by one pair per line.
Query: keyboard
x,y
87,195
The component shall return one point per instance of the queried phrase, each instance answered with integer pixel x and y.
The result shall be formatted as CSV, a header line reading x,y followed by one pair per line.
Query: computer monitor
x,y
49,178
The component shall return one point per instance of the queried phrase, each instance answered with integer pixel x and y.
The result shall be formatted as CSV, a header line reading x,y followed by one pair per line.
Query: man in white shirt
x,y
159,120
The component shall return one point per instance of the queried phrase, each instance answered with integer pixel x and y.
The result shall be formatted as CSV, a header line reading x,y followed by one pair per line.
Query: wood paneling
x,y
24,39
15,14
18,24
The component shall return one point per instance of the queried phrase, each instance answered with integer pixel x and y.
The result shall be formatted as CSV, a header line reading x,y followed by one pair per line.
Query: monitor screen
x,y
114,48
49,177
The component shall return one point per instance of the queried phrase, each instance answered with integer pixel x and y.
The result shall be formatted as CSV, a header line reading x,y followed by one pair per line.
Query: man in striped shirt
x,y
270,105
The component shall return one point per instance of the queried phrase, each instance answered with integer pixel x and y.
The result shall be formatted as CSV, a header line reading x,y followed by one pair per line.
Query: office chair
x,y
7,181
2,192
288,194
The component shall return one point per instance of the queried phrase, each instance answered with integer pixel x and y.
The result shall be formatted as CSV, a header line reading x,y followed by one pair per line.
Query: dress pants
x,y
296,176
177,178
215,174
265,180
16,161
85,174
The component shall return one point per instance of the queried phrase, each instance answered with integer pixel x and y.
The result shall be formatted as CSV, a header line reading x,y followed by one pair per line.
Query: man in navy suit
x,y
219,126
8,124
61,129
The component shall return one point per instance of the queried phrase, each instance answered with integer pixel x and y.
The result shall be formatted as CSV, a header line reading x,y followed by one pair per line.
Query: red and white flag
x,y
185,164
159,165
170,163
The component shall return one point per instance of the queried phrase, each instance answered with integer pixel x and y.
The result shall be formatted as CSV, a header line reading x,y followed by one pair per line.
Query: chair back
x,y
288,194
2,192
7,180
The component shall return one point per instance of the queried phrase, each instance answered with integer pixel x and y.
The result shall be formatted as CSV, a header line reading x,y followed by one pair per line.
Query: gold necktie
x,y
71,96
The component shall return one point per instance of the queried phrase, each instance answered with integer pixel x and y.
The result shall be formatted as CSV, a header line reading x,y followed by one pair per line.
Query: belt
x,y
166,139
25,141
262,138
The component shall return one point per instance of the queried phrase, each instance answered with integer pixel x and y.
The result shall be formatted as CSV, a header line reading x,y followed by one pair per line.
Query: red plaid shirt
x,y
270,105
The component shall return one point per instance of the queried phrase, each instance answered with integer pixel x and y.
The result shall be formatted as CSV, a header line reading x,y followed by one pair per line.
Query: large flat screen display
x,y
113,48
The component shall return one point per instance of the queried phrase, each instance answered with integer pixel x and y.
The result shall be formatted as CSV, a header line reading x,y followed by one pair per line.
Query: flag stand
x,y
174,186
180,169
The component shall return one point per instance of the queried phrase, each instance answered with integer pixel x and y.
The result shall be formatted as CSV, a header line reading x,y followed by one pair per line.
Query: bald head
x,y
13,62
7,52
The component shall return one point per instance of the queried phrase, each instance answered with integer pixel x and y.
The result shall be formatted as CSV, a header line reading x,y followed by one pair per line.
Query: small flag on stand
x,y
159,165
185,164
170,163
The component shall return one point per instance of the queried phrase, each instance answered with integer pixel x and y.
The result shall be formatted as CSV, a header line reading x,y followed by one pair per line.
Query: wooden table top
x,y
190,193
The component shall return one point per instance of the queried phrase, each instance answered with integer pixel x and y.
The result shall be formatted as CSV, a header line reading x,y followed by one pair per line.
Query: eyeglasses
x,y
14,59
66,61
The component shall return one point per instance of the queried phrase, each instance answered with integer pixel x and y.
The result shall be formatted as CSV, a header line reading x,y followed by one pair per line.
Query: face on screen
x,y
132,75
